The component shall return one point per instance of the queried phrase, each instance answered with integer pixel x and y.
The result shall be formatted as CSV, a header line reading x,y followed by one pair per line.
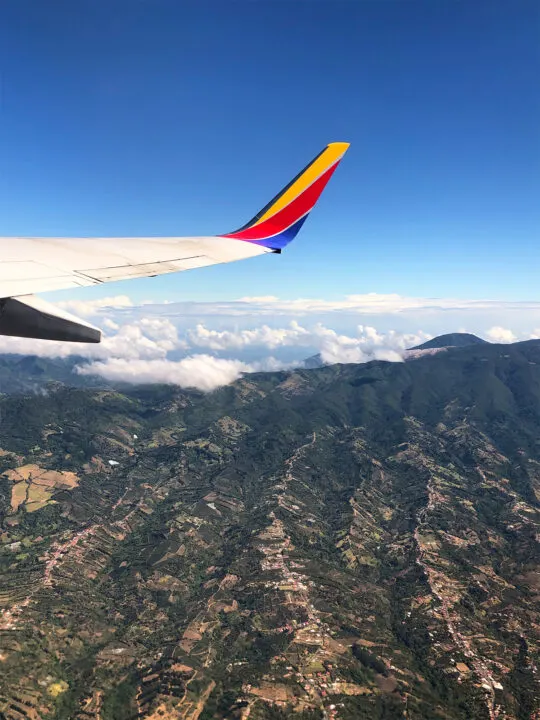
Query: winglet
x,y
279,222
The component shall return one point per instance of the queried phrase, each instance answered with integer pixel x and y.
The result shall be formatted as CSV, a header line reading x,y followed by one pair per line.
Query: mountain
x,y
451,340
314,361
354,541
442,342
29,373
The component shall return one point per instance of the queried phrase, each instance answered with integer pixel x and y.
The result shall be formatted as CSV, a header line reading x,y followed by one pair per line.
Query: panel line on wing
x,y
141,265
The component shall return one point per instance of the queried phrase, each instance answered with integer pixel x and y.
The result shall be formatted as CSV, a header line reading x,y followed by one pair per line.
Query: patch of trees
x,y
369,659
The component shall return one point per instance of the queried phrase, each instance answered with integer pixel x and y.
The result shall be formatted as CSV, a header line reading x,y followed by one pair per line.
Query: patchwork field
x,y
33,486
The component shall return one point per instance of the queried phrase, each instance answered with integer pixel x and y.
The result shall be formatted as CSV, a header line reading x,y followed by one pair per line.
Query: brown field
x,y
274,692
33,486
18,495
345,688
190,638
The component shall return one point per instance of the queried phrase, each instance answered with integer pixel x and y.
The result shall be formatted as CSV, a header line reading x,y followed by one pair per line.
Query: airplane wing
x,y
34,265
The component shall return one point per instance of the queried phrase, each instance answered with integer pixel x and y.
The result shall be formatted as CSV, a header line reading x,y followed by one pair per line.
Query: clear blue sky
x,y
168,117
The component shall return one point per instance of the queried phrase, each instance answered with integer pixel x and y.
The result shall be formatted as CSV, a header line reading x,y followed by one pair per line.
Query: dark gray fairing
x,y
22,320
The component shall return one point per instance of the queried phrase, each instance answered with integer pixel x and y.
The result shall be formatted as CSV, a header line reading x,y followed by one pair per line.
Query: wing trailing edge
x,y
32,317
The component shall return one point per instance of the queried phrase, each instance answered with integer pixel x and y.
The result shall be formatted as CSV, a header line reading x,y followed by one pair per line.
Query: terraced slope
x,y
346,542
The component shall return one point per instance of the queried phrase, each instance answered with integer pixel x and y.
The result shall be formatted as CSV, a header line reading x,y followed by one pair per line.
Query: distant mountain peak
x,y
431,347
451,340
313,362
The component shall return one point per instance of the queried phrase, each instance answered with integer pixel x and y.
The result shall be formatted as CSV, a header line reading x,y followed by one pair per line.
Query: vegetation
x,y
347,542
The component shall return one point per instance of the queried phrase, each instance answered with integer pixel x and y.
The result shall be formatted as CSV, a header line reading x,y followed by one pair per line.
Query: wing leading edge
x,y
34,265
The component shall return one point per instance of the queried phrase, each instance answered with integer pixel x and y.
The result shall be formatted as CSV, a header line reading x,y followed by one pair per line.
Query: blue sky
x,y
139,117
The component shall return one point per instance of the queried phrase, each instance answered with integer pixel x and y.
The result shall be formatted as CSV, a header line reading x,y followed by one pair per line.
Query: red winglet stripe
x,y
290,214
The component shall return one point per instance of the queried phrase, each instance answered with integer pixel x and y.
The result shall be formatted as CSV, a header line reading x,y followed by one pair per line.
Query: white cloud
x,y
203,372
259,299
42,348
270,305
146,339
146,344
499,334
162,331
265,336
272,364
154,338
110,324
367,344
130,342
439,314
87,308
368,303
206,372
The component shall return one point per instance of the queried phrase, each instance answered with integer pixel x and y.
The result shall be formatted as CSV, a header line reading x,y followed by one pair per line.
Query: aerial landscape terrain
x,y
348,541
269,436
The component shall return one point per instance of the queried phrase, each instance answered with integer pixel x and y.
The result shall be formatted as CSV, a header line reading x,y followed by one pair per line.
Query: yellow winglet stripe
x,y
332,153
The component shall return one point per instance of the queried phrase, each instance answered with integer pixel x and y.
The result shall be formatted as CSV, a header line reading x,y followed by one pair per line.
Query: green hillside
x,y
353,541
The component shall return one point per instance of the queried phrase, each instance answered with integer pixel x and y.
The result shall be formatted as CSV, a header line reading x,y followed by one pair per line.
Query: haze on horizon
x,y
149,119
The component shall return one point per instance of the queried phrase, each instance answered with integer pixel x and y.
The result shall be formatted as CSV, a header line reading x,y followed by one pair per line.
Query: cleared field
x,y
34,486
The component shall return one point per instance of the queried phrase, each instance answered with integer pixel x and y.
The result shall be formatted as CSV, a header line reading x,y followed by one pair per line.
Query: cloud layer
x,y
205,345
365,344
360,304
203,372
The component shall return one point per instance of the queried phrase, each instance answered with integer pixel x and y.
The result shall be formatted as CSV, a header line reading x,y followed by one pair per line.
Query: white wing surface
x,y
35,265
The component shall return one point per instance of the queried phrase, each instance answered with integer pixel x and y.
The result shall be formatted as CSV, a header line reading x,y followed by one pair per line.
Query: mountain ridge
x,y
451,340
438,343
354,541
29,373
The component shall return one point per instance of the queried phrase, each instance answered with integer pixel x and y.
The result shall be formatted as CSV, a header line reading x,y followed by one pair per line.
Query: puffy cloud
x,y
499,334
367,345
132,343
146,344
163,332
110,324
137,358
272,364
334,347
42,348
154,338
146,338
203,372
265,336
